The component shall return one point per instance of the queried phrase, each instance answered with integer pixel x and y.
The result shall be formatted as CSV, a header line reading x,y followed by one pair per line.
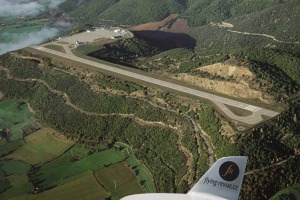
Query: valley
x,y
126,97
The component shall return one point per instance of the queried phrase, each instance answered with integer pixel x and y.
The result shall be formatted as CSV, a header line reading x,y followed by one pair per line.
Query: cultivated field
x,y
119,180
15,115
74,163
85,188
14,167
144,175
47,160
20,187
43,145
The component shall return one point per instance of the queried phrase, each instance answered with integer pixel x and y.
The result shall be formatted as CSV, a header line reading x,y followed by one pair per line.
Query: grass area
x,y
14,167
43,145
20,188
11,33
85,188
6,148
11,20
144,174
119,180
15,115
73,163
88,48
55,47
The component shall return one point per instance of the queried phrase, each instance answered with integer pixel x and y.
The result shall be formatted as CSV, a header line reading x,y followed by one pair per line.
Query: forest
x,y
166,162
98,132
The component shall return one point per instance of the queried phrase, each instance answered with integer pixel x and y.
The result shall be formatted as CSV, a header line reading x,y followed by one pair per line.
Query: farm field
x,y
11,34
43,145
85,187
144,174
119,180
73,163
45,159
15,115
11,27
14,167
20,187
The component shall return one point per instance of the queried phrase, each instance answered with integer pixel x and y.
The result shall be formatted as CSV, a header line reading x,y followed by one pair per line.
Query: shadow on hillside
x,y
167,40
163,41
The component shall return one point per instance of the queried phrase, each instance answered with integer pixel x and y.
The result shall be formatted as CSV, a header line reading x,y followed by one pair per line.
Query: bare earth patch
x,y
226,71
180,26
153,26
238,80
240,89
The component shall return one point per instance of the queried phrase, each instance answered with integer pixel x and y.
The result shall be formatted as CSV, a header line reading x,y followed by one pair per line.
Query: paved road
x,y
218,100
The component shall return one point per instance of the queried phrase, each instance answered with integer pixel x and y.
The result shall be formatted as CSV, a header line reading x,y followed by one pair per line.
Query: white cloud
x,y
25,8
54,3
27,39
10,8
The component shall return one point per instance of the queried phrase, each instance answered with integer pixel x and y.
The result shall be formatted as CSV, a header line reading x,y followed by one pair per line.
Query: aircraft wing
x,y
158,196
222,181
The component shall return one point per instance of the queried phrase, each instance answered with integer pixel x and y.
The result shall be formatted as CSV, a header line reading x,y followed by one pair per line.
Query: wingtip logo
x,y
229,171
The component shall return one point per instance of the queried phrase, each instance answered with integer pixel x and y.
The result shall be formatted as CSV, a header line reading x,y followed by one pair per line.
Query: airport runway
x,y
255,118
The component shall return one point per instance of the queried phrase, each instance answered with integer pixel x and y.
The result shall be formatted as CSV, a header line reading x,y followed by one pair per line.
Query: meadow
x,y
45,159
73,163
13,26
43,145
144,174
85,187
20,188
15,115
119,180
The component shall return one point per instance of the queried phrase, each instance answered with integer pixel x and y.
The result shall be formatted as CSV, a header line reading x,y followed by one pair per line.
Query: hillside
x,y
125,12
201,12
247,50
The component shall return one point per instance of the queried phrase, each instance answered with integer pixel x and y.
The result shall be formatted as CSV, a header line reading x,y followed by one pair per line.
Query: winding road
x,y
257,112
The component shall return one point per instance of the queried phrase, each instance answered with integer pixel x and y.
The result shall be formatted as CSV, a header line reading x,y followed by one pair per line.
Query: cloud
x,y
62,24
27,39
54,3
10,8
25,8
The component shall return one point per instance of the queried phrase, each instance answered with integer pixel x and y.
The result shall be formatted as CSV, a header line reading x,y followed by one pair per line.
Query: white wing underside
x,y
162,196
158,197
222,181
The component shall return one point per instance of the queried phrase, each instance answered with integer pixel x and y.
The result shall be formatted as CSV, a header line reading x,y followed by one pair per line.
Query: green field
x,y
20,188
85,188
55,47
144,174
13,26
119,180
11,20
15,115
43,145
6,148
14,167
74,163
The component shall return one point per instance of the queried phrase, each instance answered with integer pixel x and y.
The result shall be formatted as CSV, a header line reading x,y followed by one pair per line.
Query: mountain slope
x,y
121,11
201,12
